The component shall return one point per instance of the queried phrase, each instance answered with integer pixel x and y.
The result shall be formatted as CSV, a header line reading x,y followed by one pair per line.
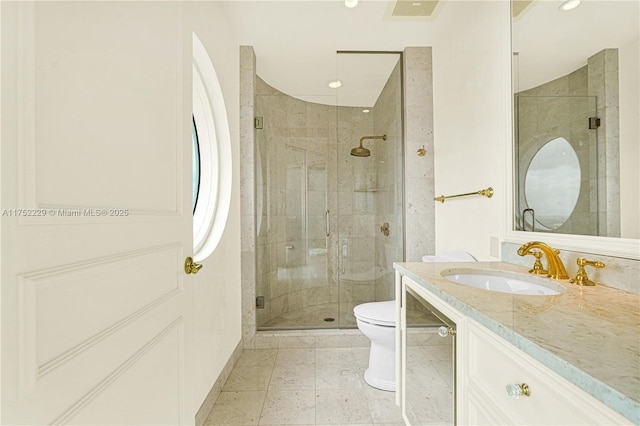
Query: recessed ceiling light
x,y
335,84
365,111
569,5
416,4
351,3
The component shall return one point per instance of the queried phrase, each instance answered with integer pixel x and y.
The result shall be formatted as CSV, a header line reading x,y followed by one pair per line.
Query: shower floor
x,y
314,317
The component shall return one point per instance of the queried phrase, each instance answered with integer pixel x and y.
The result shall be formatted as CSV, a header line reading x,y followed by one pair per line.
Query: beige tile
x,y
257,358
382,406
294,376
333,341
438,352
296,356
341,407
433,404
361,356
335,357
296,342
237,408
288,407
338,377
248,378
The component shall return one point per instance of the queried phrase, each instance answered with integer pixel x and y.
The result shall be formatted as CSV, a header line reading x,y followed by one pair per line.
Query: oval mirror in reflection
x,y
552,183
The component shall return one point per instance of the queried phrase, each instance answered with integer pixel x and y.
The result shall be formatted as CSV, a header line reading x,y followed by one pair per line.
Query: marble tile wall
x,y
387,119
619,273
560,108
418,171
603,84
247,190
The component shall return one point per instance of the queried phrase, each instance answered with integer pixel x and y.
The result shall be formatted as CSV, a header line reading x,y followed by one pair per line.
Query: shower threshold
x,y
325,316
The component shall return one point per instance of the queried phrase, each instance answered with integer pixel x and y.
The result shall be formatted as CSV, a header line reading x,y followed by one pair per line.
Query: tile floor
x,y
314,386
325,386
342,313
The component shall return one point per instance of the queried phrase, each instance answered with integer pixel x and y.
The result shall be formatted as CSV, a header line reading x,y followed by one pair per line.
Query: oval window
x,y
195,163
212,145
552,183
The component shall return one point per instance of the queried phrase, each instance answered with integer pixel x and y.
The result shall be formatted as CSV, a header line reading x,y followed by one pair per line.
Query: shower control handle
x,y
327,224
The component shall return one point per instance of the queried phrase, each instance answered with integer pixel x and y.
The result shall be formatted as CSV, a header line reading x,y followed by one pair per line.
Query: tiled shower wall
x,y
351,197
294,272
561,108
387,119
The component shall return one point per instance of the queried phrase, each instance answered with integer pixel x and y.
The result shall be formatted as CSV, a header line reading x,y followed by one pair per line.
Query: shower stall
x,y
329,217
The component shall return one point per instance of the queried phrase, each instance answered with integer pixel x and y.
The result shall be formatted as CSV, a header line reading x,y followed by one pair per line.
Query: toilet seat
x,y
377,313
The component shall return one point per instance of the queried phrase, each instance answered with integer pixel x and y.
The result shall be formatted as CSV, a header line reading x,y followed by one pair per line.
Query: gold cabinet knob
x,y
191,267
581,277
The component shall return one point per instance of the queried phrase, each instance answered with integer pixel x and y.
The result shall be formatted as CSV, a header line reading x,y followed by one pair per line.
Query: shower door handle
x,y
327,225
533,219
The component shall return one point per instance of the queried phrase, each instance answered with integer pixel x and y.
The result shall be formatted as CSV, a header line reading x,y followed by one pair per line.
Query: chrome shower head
x,y
360,151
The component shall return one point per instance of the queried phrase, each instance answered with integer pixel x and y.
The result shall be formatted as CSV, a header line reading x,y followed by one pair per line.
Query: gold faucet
x,y
581,277
554,264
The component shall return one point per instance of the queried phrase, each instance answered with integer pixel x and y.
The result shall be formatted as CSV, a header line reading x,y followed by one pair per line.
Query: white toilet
x,y
377,321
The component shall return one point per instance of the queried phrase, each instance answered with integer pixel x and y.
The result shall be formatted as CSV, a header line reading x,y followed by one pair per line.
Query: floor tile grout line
x,y
273,367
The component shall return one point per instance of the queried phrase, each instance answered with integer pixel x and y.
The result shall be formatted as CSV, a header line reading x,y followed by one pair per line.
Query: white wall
x,y
629,62
217,292
472,118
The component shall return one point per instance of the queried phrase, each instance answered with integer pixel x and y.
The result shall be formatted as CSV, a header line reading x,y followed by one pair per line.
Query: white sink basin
x,y
504,282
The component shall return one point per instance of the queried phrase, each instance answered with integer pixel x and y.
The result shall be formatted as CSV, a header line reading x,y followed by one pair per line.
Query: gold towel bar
x,y
486,192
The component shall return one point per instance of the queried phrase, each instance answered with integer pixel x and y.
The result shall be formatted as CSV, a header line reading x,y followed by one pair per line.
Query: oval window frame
x,y
212,124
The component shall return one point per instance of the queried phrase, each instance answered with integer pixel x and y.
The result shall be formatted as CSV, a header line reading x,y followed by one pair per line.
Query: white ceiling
x,y
296,41
552,43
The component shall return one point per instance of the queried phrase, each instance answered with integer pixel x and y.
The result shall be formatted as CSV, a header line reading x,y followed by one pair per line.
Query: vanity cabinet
x,y
490,372
495,368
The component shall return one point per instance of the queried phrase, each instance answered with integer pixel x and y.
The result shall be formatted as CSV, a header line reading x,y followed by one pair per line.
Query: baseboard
x,y
212,396
323,338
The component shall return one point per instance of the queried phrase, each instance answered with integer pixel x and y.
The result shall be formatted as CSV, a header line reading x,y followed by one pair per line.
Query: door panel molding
x,y
31,369
105,383
30,193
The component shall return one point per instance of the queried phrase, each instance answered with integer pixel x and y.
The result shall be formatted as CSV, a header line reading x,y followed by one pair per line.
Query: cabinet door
x,y
493,364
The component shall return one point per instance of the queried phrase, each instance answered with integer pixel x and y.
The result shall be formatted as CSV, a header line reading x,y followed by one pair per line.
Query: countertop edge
x,y
609,396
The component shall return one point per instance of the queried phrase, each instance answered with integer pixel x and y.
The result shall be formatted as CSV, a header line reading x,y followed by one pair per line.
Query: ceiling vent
x,y
412,9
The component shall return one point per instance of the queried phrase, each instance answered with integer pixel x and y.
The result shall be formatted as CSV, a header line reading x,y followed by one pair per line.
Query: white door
x,y
96,213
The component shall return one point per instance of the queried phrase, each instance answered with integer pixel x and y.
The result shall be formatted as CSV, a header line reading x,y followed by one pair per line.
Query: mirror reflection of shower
x,y
360,151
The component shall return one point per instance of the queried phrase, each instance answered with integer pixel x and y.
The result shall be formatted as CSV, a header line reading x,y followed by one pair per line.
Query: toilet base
x,y
378,383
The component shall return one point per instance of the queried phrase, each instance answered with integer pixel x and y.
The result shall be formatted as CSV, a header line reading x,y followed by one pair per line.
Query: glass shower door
x,y
370,188
293,270
541,122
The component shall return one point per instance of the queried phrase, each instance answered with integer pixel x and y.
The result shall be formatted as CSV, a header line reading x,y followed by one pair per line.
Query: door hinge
x,y
258,122
594,122
260,302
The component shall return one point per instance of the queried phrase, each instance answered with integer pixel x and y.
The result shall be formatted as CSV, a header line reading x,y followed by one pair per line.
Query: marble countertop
x,y
588,335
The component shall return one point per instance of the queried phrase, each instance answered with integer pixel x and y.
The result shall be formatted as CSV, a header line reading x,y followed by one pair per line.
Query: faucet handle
x,y
538,269
581,277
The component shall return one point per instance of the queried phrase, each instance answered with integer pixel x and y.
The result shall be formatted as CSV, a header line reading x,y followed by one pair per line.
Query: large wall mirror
x,y
576,78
